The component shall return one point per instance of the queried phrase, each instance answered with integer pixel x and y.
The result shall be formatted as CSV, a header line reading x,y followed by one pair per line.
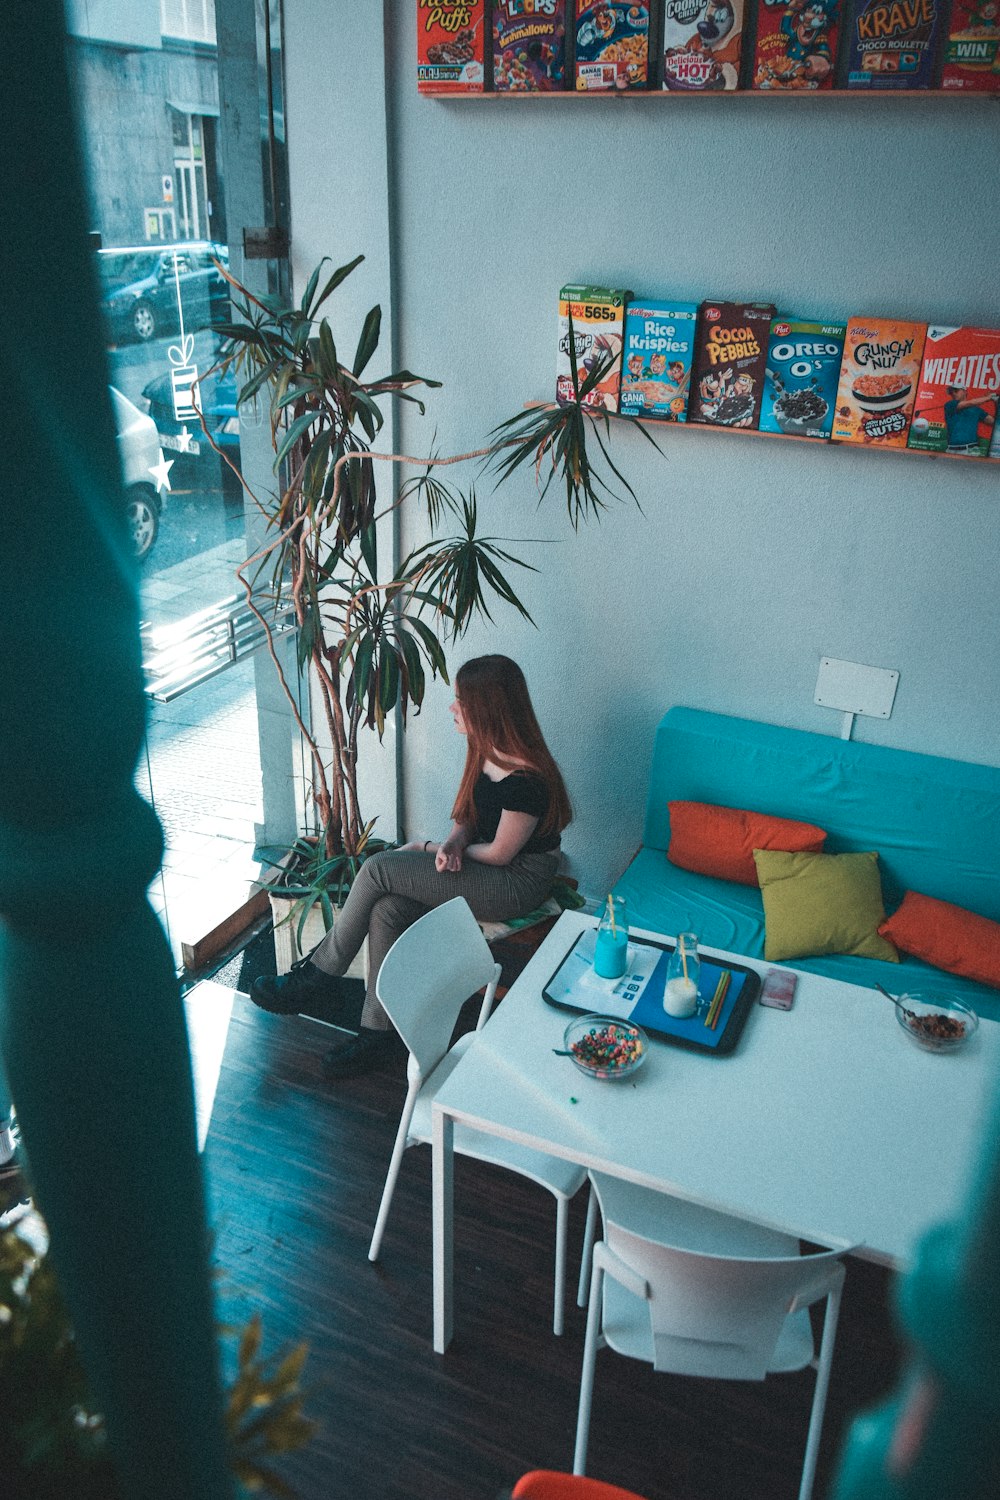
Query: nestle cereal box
x,y
878,381
529,45
956,403
972,49
729,363
598,317
451,46
796,44
701,44
656,367
892,44
800,382
612,45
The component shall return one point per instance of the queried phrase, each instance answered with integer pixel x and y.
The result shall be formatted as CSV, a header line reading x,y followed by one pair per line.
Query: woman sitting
x,y
501,854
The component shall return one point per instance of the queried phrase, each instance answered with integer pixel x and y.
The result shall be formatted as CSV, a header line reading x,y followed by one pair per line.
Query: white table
x,y
826,1122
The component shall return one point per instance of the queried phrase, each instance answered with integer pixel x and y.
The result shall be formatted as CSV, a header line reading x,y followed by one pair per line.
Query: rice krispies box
x,y
612,45
892,44
956,403
598,314
451,46
796,44
529,45
656,367
729,363
878,381
972,50
701,44
800,382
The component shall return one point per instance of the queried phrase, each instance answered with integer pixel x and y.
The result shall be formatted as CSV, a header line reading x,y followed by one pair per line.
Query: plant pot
x,y
287,949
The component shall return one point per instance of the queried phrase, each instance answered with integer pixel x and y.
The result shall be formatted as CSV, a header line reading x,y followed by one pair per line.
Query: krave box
x,y
656,365
893,44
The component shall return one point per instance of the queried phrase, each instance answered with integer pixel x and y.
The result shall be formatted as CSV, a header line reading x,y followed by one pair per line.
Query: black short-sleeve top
x,y
522,792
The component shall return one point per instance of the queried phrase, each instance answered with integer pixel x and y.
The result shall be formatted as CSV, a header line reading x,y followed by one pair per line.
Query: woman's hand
x,y
449,856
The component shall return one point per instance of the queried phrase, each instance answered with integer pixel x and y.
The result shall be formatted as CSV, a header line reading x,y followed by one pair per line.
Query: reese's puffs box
x,y
796,44
702,43
972,49
529,45
956,403
892,44
451,46
598,319
727,380
878,381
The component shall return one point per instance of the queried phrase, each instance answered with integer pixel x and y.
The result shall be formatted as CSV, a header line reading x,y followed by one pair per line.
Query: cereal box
x,y
972,50
451,46
892,44
796,44
956,403
878,381
656,368
701,44
529,45
800,382
598,314
612,45
729,363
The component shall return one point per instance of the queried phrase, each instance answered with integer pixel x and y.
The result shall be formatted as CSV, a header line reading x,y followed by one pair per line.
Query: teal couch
x,y
935,824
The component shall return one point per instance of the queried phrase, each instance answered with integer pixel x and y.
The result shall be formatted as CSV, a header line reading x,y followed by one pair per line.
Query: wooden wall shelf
x,y
506,95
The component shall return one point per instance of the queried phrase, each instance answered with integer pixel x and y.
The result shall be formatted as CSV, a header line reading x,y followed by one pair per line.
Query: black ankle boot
x,y
359,1054
288,994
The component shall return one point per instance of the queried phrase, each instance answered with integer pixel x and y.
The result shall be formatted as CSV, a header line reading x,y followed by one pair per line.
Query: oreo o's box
x,y
529,45
972,51
892,44
612,45
800,382
598,317
730,359
796,44
451,46
701,45
656,365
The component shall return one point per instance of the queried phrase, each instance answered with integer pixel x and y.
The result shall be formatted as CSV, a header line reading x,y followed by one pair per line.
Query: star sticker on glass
x,y
161,473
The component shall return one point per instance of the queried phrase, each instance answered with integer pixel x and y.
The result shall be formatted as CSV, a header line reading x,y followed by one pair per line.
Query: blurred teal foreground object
x,y
91,1023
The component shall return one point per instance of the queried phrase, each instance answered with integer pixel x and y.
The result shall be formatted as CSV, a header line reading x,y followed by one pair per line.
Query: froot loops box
x,y
972,51
796,44
451,46
598,318
656,365
800,382
702,41
956,403
878,381
529,45
892,44
612,45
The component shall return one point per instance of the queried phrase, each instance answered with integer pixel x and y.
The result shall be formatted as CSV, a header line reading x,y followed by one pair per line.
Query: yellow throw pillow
x,y
821,903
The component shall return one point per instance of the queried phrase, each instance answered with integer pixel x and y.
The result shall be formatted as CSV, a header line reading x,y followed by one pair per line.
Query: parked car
x,y
196,459
144,305
140,452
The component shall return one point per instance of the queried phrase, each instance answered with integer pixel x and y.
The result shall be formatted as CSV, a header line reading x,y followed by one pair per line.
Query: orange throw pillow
x,y
720,841
947,936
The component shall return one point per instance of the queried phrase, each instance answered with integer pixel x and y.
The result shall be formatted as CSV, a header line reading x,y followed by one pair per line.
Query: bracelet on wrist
x,y
426,842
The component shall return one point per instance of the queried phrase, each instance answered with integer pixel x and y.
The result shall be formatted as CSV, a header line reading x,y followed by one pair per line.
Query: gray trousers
x,y
394,888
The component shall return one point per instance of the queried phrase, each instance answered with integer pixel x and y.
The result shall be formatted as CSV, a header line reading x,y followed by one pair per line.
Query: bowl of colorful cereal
x,y
935,1021
603,1047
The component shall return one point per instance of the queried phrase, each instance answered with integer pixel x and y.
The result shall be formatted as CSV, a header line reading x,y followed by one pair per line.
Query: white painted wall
x,y
753,558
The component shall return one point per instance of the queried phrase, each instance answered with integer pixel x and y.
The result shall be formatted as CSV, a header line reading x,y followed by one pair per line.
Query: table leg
x,y
443,1199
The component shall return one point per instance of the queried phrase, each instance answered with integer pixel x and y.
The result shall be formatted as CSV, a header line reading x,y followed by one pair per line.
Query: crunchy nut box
x,y
878,381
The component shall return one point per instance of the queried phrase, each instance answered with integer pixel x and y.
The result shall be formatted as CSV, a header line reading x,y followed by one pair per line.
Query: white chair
x,y
425,979
695,1292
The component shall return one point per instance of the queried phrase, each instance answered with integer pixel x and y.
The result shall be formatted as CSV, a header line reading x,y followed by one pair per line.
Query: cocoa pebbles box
x,y
892,44
800,382
612,45
796,44
702,43
878,381
598,317
529,45
956,403
972,51
730,358
451,46
656,365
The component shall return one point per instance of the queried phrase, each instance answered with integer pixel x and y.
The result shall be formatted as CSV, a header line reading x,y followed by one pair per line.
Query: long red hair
x,y
501,726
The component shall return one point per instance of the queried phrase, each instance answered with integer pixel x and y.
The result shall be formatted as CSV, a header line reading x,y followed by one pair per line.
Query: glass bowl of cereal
x,y
604,1047
936,1022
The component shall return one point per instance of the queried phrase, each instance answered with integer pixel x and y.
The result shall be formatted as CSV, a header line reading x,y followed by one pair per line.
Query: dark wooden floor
x,y
295,1168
